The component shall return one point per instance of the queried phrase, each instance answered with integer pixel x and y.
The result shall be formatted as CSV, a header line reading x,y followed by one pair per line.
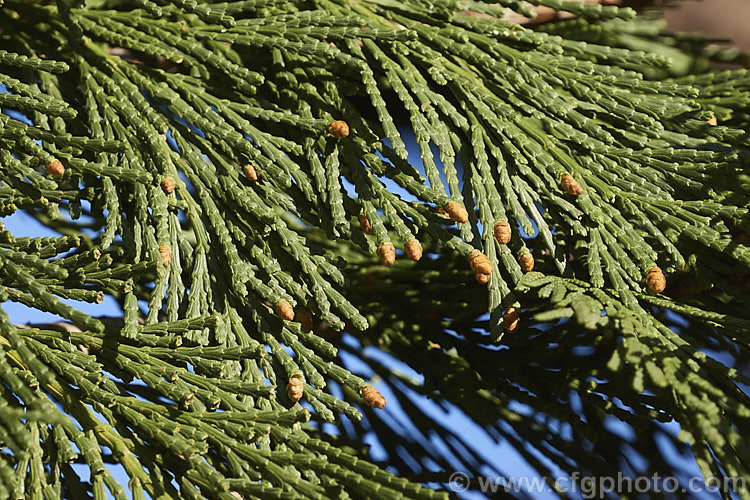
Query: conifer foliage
x,y
236,176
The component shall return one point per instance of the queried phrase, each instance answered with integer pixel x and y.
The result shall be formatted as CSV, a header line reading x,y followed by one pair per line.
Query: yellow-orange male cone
x,y
372,397
339,129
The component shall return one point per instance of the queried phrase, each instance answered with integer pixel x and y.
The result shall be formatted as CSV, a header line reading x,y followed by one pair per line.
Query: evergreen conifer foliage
x,y
234,175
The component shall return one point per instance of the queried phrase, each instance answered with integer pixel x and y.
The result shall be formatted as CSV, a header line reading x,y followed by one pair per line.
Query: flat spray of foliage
x,y
234,175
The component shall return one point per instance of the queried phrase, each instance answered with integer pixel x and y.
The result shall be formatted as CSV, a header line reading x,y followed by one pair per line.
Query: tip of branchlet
x,y
457,212
482,278
304,318
364,224
250,173
295,388
655,280
570,185
527,262
413,250
167,185
502,232
166,255
480,263
372,397
387,254
285,310
339,129
55,167
510,319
